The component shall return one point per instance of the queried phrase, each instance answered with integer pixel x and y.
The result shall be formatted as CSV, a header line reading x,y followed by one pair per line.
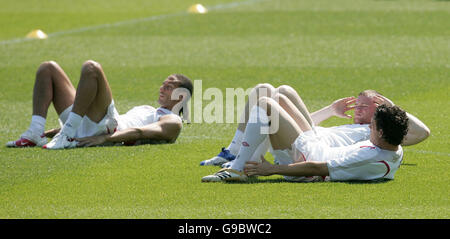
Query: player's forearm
x,y
321,115
417,131
51,132
302,169
126,135
149,132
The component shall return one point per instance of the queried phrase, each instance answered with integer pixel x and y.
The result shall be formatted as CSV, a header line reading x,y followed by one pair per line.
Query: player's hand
x,y
382,100
91,141
51,133
263,168
341,106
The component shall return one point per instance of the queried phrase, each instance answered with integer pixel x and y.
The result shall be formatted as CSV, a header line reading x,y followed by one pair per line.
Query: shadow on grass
x,y
254,180
409,164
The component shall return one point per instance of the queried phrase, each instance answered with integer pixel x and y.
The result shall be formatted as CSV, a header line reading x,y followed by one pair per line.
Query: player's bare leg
x,y
284,129
297,117
93,92
51,86
93,97
293,96
290,121
291,102
260,90
282,136
229,153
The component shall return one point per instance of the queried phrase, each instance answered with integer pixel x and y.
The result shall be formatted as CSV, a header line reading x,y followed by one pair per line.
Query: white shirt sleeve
x,y
363,163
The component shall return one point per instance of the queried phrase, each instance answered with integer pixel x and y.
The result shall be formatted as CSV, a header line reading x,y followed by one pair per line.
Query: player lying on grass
x,y
364,107
302,154
88,115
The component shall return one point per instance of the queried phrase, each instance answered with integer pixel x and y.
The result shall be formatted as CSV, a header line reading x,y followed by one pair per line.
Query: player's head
x,y
390,123
174,89
365,107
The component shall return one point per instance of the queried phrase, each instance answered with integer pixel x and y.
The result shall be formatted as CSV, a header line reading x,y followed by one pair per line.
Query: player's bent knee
x,y
285,89
47,67
267,86
90,67
264,89
91,63
279,97
264,85
266,103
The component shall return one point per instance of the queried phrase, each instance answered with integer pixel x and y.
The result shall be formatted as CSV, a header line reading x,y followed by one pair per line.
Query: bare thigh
x,y
52,85
293,111
287,128
93,92
296,100
257,92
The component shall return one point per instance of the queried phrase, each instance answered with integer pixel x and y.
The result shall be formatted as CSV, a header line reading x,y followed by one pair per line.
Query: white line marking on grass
x,y
133,21
233,4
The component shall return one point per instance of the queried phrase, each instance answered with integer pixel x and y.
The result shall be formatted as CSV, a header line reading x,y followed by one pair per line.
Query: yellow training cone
x,y
197,8
37,34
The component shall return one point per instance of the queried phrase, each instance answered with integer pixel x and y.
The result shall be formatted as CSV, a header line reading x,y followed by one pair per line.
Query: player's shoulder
x,y
141,109
144,107
358,125
367,148
352,126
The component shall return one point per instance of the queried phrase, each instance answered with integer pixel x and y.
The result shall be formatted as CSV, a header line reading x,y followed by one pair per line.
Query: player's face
x,y
165,92
372,129
364,110
375,135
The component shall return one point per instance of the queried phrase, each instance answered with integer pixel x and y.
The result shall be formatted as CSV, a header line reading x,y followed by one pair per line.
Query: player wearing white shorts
x,y
360,161
302,154
364,107
88,115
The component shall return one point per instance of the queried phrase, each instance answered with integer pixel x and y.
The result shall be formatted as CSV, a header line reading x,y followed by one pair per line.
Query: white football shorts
x,y
294,155
90,128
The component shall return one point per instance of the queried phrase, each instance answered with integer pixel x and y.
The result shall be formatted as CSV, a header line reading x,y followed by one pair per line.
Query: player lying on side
x,y
364,107
88,116
303,156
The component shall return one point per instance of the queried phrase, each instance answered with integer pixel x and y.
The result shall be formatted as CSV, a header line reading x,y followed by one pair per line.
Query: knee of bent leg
x,y
265,86
266,103
279,97
264,89
47,66
285,89
90,66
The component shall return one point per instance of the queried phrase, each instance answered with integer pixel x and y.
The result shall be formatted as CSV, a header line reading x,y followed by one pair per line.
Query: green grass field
x,y
324,49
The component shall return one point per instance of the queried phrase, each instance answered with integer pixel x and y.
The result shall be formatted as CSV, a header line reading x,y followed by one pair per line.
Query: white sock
x,y
252,137
37,125
72,124
235,144
261,150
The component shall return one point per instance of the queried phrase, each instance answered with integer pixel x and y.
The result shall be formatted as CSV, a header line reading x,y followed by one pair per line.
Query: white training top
x,y
343,135
362,161
140,116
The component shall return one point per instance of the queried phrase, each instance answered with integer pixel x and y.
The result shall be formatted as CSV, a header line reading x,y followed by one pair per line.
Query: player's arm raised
x,y
167,128
337,108
417,130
